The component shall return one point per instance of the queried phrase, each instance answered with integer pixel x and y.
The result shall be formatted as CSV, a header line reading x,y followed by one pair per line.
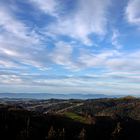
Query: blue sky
x,y
70,46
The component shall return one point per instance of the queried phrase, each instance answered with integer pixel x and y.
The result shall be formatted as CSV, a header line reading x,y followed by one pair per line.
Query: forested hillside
x,y
100,119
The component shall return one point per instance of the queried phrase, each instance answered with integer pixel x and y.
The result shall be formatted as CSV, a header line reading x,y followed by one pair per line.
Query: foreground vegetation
x,y
100,119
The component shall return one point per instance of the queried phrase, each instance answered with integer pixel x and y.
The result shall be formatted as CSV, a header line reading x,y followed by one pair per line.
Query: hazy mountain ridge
x,y
56,96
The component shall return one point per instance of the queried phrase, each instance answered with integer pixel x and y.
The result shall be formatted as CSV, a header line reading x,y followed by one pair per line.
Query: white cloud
x,y
110,60
5,63
133,12
89,17
10,79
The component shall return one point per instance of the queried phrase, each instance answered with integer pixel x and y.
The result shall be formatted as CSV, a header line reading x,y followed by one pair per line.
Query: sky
x,y
70,46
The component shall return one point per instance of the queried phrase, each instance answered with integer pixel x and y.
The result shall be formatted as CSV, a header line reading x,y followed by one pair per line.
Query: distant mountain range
x,y
55,96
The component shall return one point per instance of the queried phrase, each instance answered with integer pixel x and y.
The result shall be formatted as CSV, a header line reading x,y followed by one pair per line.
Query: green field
x,y
75,117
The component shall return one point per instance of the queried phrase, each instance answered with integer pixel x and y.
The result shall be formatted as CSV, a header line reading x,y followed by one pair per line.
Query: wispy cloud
x,y
18,41
126,62
114,39
106,83
89,17
47,6
62,53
